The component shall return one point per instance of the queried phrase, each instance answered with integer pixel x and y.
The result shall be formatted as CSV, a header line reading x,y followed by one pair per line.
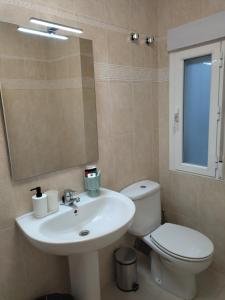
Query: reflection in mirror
x,y
48,101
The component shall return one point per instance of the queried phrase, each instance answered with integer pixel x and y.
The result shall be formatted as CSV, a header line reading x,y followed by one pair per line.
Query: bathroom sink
x,y
99,222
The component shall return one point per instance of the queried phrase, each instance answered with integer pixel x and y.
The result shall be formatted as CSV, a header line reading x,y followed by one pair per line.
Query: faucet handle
x,y
74,196
66,196
70,196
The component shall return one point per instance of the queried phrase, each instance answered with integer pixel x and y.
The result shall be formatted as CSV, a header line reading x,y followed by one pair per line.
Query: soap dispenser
x,y
40,206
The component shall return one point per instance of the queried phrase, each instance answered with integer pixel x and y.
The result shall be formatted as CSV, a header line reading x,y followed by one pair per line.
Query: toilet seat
x,y
182,242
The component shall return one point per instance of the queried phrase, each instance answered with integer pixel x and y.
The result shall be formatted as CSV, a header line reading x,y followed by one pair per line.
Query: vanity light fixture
x,y
55,25
49,34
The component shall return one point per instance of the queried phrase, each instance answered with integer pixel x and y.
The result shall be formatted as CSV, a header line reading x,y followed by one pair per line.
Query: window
x,y
196,88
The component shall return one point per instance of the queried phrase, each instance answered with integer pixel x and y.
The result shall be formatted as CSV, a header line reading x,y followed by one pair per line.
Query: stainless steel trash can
x,y
126,269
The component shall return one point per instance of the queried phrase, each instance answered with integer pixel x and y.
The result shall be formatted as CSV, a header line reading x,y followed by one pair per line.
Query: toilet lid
x,y
182,241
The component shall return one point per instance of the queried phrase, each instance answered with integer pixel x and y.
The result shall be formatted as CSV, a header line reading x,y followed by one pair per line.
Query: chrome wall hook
x,y
134,36
149,40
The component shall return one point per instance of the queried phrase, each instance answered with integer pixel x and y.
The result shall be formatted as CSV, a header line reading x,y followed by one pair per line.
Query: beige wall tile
x,y
210,284
115,152
143,55
145,165
180,219
66,5
7,206
138,51
120,48
48,273
122,164
142,106
183,197
105,163
100,45
221,295
163,57
143,16
144,125
121,114
13,277
95,9
150,56
173,13
104,108
118,12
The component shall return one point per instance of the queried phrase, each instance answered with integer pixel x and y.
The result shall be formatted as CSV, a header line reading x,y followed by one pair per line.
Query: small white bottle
x,y
40,204
53,200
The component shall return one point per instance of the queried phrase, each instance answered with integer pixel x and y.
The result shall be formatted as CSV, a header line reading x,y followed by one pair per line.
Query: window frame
x,y
176,96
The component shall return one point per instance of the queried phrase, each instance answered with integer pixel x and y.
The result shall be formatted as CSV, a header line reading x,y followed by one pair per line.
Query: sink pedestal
x,y
85,276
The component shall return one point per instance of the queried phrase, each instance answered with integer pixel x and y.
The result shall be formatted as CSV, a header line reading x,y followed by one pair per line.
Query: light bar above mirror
x,y
55,25
51,35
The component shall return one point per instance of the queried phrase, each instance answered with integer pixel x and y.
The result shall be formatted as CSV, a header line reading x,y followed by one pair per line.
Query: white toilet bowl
x,y
179,253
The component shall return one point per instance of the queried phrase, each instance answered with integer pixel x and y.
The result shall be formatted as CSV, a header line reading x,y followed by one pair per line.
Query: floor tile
x,y
221,295
211,286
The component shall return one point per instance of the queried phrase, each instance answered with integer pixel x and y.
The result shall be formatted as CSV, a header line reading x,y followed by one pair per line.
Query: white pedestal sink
x,y
100,221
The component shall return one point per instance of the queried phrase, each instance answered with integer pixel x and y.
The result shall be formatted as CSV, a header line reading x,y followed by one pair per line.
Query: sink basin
x,y
100,221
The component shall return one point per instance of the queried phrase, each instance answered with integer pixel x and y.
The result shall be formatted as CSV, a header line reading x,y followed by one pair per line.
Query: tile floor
x,y
211,286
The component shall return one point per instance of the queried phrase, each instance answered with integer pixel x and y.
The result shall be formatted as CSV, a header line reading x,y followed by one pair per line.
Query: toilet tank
x,y
146,197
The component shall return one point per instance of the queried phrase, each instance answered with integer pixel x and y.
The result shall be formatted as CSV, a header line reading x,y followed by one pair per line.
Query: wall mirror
x,y
48,102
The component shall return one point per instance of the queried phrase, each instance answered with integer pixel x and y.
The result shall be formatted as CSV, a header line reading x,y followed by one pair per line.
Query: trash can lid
x,y
125,255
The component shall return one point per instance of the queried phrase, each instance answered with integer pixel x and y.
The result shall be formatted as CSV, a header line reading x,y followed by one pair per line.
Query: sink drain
x,y
84,232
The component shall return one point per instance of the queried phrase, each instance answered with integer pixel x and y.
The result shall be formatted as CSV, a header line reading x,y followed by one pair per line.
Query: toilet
x,y
179,253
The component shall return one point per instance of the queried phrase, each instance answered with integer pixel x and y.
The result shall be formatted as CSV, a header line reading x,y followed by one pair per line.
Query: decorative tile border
x,y
44,60
129,73
124,73
29,84
103,72
163,75
14,57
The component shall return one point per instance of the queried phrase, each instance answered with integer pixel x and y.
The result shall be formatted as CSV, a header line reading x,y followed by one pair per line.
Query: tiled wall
x,y
127,115
194,201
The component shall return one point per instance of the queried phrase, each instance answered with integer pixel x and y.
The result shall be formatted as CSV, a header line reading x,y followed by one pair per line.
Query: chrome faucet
x,y
70,198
